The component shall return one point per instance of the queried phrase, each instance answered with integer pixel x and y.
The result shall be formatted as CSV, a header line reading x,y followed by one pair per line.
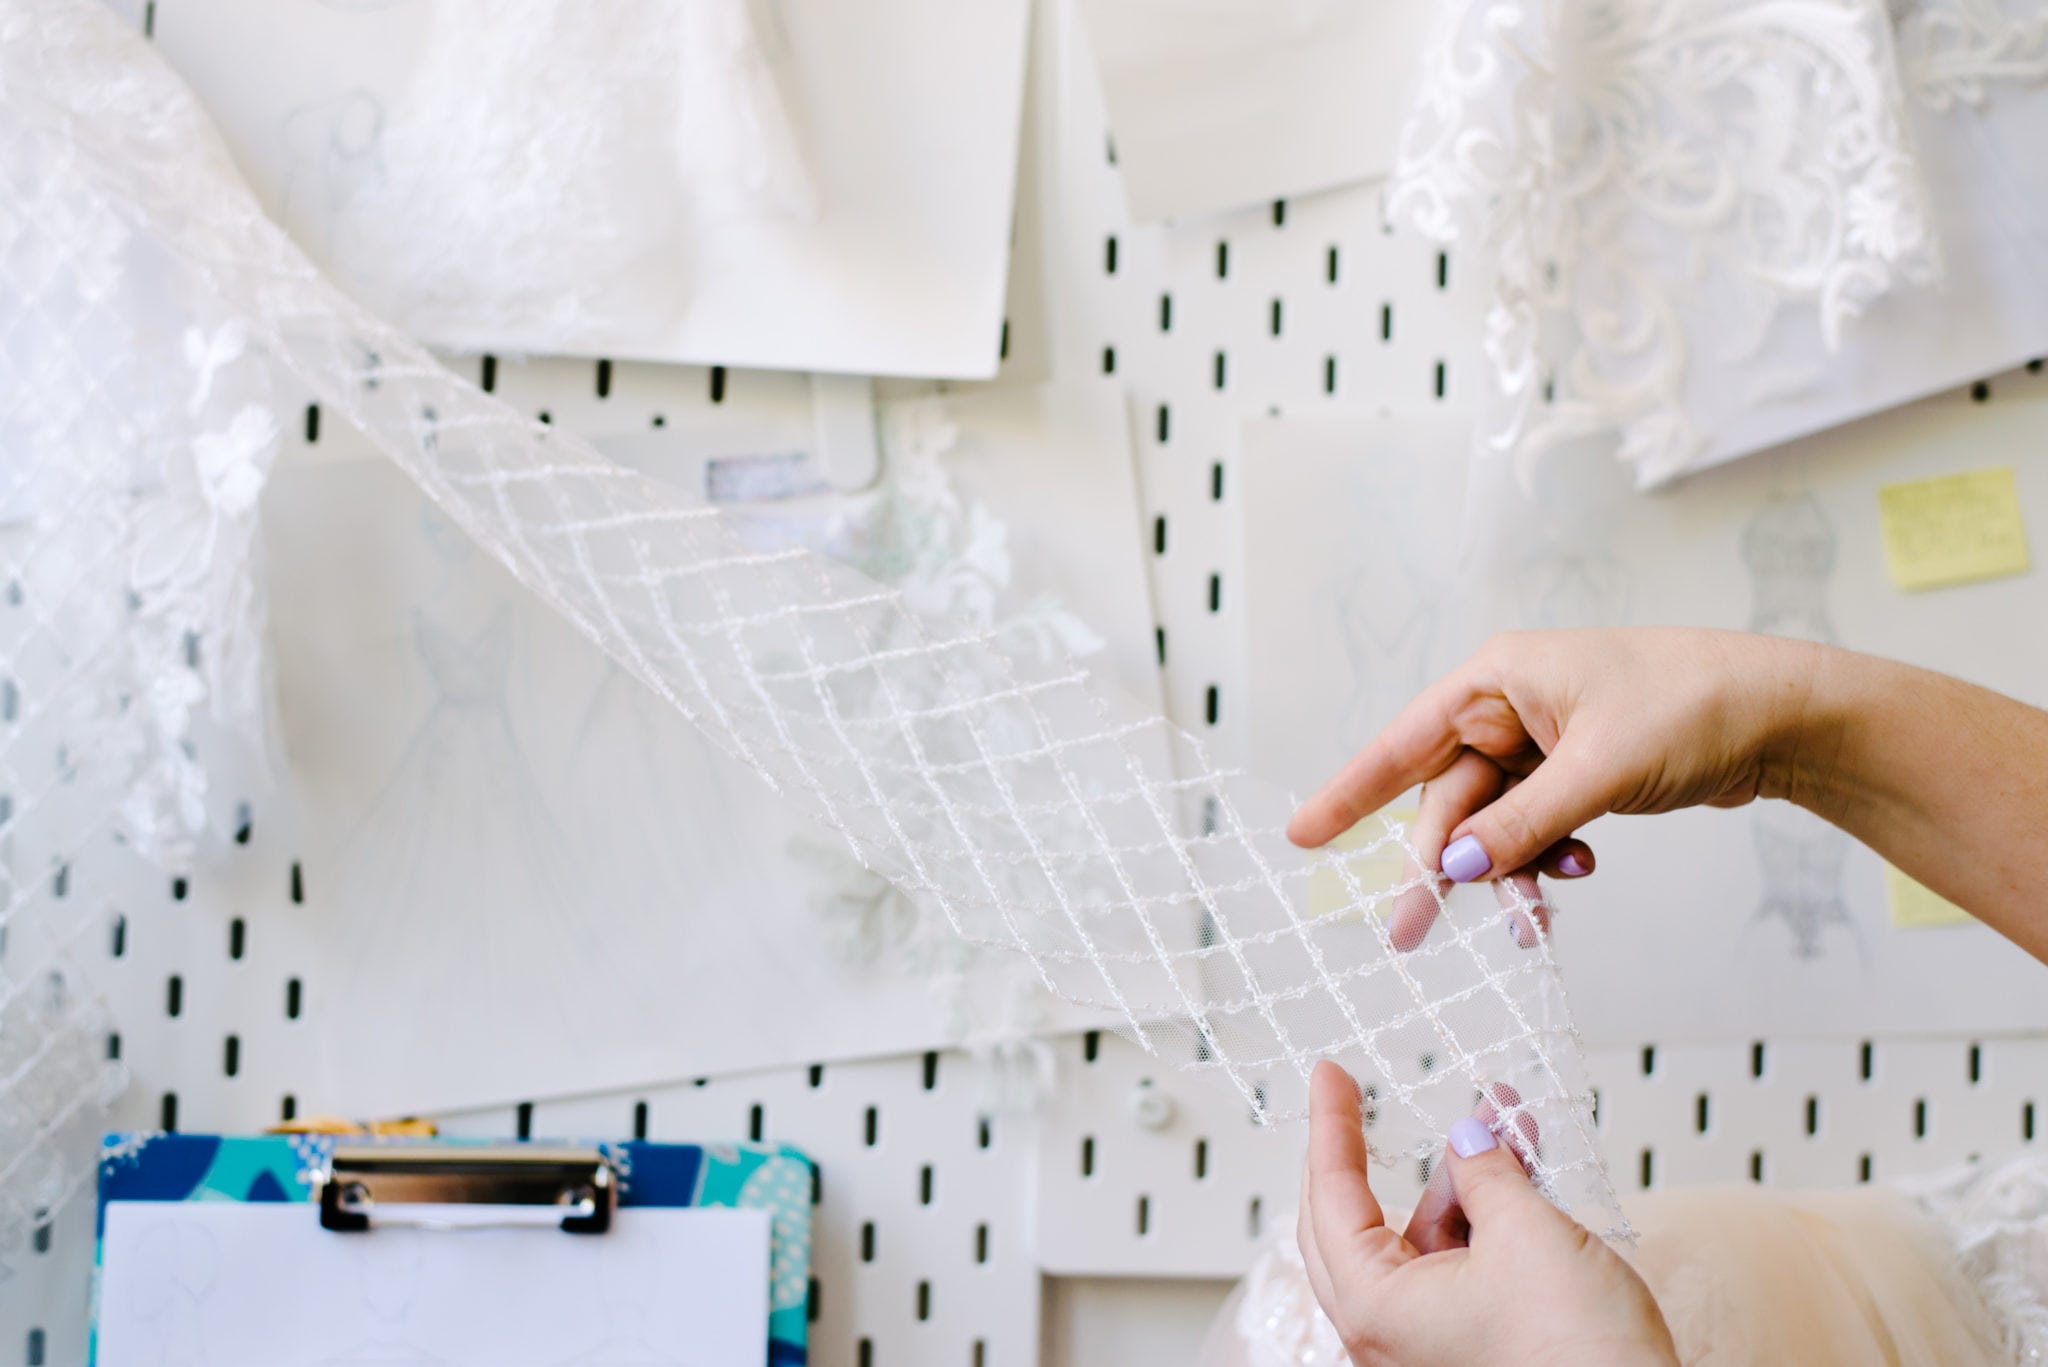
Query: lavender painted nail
x,y
1466,859
1470,1137
1571,866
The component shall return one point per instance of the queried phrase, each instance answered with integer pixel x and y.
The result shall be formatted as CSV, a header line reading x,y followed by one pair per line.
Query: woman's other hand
x,y
1505,1278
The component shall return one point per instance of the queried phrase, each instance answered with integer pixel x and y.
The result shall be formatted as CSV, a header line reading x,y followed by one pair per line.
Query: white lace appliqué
x,y
1667,188
1656,180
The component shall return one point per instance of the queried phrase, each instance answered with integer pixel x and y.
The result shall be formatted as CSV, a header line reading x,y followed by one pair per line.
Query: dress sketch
x,y
688,850
459,873
1789,550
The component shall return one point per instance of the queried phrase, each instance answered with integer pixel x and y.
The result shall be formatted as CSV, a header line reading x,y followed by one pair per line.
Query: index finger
x,y
1416,746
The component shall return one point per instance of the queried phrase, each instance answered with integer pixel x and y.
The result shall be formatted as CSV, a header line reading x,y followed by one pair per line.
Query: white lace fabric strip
x,y
1007,792
1686,204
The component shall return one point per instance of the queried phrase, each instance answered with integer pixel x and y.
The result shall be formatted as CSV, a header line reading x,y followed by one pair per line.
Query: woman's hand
x,y
1540,732
1502,1277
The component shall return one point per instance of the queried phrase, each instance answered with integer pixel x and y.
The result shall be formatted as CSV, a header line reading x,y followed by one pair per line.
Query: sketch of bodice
x,y
466,676
1389,624
1789,549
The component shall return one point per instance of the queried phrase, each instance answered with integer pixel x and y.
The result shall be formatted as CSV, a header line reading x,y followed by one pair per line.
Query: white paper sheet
x,y
1700,925
483,799
1217,104
909,111
263,1285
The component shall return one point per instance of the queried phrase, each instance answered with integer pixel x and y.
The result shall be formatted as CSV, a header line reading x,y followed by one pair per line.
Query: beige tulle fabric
x,y
1833,1279
1861,1278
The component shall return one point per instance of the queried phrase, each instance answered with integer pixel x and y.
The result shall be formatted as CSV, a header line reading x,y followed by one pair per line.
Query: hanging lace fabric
x,y
1687,206
1008,792
135,436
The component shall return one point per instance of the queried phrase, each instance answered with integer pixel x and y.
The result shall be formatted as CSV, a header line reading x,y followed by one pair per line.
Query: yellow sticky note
x,y
1915,908
1953,530
1328,893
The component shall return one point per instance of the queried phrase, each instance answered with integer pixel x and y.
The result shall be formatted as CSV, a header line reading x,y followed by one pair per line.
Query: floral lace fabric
x,y
1687,204
137,434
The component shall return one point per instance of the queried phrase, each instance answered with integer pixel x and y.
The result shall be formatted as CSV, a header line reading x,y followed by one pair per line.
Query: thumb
x,y
1486,1177
1512,832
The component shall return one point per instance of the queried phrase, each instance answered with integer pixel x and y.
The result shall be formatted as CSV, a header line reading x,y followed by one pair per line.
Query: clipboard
x,y
350,1186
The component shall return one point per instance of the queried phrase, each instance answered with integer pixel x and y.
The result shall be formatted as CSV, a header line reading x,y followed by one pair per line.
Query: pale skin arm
x,y
1538,733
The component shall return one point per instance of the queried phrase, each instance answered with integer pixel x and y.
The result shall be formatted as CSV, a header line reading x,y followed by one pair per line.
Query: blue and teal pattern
x,y
278,1167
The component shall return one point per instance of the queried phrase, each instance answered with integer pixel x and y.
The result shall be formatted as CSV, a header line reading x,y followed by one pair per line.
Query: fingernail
x,y
1466,859
1571,866
1470,1137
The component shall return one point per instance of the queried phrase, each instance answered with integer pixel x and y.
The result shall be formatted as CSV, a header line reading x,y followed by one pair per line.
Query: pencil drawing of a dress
x,y
471,929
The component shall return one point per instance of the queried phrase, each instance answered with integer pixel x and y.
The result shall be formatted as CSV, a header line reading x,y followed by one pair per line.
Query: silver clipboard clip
x,y
422,1185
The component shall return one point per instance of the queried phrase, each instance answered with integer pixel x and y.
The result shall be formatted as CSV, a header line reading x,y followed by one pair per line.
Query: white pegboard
x,y
1292,307
1806,1114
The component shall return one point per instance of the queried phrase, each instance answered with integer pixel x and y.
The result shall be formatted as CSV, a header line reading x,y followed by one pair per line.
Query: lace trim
x,y
1665,182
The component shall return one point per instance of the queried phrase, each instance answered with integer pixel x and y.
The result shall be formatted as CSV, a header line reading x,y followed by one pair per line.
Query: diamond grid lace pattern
x,y
1033,810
